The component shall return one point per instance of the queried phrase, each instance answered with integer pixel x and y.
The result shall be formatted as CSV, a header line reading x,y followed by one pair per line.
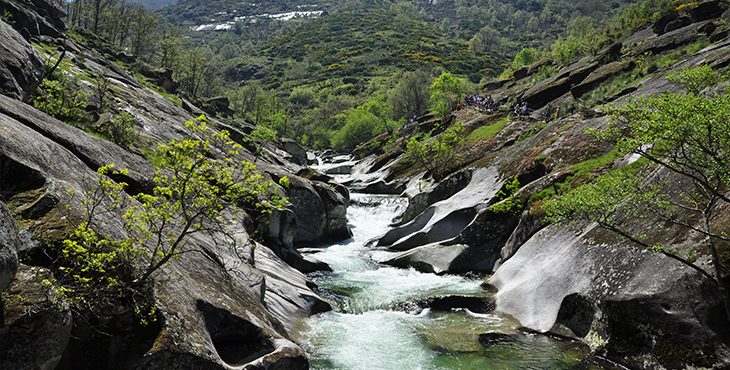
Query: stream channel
x,y
365,330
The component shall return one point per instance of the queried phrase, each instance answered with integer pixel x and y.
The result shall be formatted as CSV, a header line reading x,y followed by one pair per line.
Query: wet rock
x,y
494,339
21,67
445,219
475,304
445,189
609,295
525,229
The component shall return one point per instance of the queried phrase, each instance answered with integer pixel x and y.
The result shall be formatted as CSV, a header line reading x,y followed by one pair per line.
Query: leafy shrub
x,y
60,98
437,154
120,130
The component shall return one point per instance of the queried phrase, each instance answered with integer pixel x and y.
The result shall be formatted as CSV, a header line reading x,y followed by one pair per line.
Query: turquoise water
x,y
364,331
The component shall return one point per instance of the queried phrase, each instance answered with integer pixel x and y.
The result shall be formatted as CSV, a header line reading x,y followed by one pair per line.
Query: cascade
x,y
369,327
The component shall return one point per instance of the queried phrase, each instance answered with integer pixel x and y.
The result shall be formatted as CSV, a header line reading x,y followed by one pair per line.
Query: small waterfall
x,y
365,331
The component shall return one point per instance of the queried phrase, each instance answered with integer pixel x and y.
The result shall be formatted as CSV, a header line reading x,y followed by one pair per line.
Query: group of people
x,y
519,109
479,101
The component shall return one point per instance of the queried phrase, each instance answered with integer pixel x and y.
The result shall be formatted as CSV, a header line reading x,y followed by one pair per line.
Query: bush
x,y
120,130
360,126
60,98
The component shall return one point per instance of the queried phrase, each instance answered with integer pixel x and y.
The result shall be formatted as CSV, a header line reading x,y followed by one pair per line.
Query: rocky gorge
x,y
581,283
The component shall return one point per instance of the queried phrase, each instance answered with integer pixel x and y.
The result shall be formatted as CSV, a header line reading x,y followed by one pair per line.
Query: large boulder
x,y
629,304
21,67
37,17
553,87
599,75
670,40
420,201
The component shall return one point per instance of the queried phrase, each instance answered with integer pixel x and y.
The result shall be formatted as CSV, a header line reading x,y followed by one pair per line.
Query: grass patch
x,y
487,132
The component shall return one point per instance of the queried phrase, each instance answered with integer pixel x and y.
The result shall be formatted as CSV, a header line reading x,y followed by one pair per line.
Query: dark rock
x,y
599,75
610,53
164,79
706,10
383,187
661,23
525,229
715,37
21,67
314,175
42,17
32,316
219,105
669,40
521,73
471,303
559,84
708,28
93,151
495,83
494,339
320,210
678,23
295,150
9,244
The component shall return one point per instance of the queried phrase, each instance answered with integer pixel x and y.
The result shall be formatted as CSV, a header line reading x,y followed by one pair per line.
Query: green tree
x,y
445,94
410,97
360,126
686,134
524,58
200,187
437,154
144,26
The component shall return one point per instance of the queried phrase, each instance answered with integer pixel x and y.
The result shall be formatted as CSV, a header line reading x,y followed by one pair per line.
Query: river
x,y
366,331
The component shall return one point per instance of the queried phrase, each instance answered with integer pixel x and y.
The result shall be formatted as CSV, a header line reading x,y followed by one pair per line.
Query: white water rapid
x,y
364,331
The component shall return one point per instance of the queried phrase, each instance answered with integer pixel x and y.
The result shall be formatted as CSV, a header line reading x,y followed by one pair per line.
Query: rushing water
x,y
365,332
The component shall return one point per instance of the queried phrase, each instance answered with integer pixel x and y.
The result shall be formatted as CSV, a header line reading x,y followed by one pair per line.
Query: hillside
x,y
599,230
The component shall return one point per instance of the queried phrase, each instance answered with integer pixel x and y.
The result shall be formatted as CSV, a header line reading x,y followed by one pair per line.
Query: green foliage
x,y
61,98
487,132
200,187
120,130
524,58
437,154
685,134
361,125
507,202
445,94
603,200
262,136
